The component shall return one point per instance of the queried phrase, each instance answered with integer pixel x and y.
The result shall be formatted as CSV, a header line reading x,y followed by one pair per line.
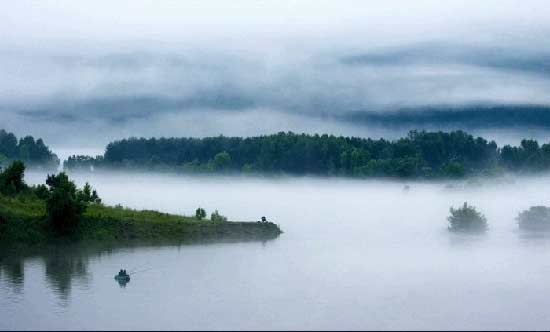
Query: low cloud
x,y
115,73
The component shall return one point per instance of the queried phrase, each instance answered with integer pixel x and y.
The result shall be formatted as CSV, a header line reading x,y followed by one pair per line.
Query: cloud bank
x,y
202,68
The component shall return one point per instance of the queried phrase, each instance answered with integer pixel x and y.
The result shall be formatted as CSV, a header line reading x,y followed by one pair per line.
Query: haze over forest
x,y
84,74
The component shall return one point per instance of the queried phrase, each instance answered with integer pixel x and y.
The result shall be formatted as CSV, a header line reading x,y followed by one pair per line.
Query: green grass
x,y
23,220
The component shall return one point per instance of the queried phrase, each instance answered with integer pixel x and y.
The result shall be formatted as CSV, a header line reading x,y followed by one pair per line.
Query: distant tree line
x,y
419,154
27,149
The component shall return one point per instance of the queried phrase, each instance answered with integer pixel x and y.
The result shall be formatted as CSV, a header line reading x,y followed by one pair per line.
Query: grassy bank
x,y
23,220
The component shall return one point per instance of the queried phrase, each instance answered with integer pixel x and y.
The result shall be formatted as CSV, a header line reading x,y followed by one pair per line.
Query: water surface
x,y
354,255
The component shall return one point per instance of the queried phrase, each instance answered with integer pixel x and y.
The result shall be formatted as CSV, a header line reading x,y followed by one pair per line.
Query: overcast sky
x,y
204,67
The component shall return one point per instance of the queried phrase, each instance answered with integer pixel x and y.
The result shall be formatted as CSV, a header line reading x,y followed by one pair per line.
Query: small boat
x,y
124,278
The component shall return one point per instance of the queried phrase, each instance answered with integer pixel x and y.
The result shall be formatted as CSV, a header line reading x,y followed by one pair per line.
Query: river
x,y
354,255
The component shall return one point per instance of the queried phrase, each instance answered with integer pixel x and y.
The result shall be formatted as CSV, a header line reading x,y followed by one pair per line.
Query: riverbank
x,y
23,220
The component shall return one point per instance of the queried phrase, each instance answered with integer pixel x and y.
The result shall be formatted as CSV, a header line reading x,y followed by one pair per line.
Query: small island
x,y
59,211
536,218
467,219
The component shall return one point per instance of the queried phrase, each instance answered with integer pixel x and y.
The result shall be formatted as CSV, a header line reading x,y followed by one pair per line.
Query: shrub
x,y
467,219
88,195
42,192
64,207
215,216
200,214
11,179
537,218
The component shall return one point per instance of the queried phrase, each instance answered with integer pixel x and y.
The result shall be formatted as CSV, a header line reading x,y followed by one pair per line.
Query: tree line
x,y
33,152
419,154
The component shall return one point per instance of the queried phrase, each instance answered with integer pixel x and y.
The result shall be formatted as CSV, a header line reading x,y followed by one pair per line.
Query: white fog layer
x,y
354,255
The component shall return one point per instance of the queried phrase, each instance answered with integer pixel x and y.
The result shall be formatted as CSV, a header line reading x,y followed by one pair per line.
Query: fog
x,y
354,254
140,68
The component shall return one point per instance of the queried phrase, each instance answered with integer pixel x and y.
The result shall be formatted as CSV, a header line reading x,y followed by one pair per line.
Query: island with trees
x,y
58,210
536,218
34,153
420,154
467,219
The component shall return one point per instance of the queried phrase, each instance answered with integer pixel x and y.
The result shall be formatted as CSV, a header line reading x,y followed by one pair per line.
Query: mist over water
x,y
355,255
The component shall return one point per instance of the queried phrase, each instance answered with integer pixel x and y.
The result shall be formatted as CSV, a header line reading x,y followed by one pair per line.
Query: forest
x,y
420,154
33,153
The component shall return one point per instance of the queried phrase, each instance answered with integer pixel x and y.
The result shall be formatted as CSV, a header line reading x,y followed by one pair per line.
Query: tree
x,y
64,207
11,179
537,218
221,161
467,219
42,192
8,144
216,217
88,194
200,213
453,169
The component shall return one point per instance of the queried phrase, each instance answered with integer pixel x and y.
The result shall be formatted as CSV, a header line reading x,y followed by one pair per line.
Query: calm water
x,y
354,255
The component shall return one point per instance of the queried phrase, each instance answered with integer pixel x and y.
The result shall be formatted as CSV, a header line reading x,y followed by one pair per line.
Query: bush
x,y
200,214
467,219
88,195
11,179
537,218
215,216
42,192
64,207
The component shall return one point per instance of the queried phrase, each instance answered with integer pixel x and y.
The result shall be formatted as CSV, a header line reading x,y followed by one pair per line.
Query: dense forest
x,y
419,154
33,153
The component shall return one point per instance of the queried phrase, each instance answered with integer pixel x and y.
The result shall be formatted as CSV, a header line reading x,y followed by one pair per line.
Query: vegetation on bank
x,y
419,155
32,153
43,213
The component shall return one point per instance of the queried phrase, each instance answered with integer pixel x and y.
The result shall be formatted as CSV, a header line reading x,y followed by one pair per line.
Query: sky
x,y
81,73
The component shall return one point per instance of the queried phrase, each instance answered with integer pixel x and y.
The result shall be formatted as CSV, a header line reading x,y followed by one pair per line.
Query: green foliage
x,y
64,205
536,218
33,153
88,194
23,220
216,217
467,219
200,213
11,179
42,192
453,169
419,154
221,161
39,214
79,162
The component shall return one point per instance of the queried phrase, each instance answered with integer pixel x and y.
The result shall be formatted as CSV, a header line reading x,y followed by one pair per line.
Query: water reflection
x,y
13,272
62,266
65,265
